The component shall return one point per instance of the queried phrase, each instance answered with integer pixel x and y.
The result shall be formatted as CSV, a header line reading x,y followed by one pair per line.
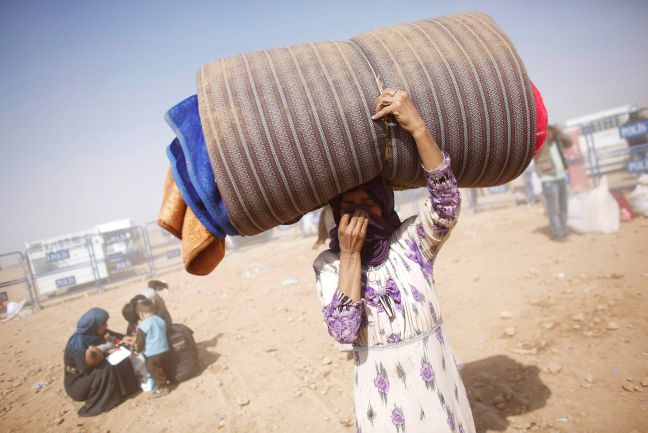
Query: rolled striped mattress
x,y
276,133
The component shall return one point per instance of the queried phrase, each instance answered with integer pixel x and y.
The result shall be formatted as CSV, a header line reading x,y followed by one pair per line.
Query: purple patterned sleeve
x,y
444,193
439,215
343,318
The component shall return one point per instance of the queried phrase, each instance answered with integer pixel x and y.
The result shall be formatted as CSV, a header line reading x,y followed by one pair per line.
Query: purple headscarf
x,y
376,245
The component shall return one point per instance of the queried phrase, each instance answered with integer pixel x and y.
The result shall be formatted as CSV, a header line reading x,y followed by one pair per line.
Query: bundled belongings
x,y
185,361
594,211
274,134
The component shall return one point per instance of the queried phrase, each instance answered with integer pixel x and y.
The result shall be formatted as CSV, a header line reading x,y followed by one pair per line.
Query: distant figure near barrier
x,y
551,166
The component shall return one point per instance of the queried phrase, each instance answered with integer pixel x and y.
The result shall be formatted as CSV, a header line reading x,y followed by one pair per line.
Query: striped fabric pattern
x,y
288,129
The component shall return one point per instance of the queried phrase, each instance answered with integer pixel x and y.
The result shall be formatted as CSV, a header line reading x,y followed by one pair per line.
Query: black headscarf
x,y
376,246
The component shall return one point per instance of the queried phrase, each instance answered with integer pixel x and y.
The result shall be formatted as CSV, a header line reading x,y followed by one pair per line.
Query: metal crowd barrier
x,y
15,279
82,263
621,159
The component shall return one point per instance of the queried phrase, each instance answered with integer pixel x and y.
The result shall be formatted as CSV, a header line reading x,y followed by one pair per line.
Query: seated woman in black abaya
x,y
89,377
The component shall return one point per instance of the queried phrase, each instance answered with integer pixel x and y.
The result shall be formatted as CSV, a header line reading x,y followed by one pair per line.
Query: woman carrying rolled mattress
x,y
377,290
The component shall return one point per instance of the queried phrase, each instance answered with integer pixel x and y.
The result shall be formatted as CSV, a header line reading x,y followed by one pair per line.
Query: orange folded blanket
x,y
201,251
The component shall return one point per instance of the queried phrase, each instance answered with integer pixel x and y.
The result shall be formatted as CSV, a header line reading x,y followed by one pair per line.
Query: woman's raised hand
x,y
399,104
352,231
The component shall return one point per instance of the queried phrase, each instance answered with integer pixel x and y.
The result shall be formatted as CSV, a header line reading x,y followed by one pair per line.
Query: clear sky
x,y
84,84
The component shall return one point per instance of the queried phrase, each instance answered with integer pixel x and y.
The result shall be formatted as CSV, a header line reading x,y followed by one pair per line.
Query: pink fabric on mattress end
x,y
541,119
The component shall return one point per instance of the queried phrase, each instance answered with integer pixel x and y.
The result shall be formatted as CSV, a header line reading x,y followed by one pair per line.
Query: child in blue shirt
x,y
151,339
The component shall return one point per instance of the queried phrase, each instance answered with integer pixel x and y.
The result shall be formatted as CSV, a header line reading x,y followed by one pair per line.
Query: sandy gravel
x,y
554,337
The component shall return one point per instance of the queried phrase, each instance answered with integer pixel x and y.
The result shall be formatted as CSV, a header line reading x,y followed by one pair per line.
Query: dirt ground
x,y
553,337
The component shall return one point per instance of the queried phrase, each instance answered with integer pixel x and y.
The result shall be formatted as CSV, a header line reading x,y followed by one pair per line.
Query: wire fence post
x,y
148,250
93,263
29,280
586,131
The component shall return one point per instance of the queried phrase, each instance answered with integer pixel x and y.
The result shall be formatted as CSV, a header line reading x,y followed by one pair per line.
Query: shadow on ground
x,y
499,387
546,231
207,356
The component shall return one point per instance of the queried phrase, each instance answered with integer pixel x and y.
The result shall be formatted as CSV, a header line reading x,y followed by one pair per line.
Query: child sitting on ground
x,y
151,339
93,356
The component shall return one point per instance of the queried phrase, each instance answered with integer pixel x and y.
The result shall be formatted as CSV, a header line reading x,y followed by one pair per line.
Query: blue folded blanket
x,y
192,169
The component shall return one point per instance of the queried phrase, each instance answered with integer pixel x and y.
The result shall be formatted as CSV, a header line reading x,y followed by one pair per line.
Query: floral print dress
x,y
406,377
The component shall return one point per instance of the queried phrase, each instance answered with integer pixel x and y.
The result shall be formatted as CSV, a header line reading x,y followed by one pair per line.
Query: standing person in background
x,y
551,166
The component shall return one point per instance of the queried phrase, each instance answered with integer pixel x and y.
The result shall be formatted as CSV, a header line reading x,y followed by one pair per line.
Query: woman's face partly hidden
x,y
103,329
359,197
